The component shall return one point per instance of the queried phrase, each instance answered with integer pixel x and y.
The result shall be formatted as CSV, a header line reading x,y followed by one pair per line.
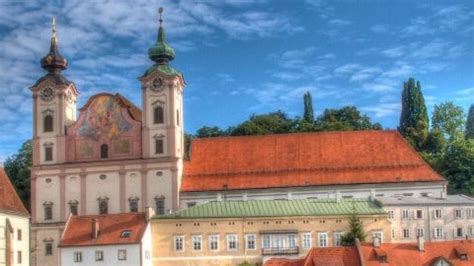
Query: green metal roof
x,y
276,208
165,69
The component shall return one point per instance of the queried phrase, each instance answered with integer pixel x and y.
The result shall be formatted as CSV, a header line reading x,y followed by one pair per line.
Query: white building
x,y
436,219
106,240
14,226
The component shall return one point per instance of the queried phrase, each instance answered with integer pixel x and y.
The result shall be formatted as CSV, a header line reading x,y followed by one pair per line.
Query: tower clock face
x,y
47,94
157,85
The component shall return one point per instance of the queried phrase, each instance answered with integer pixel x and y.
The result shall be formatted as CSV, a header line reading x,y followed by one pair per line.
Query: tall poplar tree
x,y
469,133
414,121
308,115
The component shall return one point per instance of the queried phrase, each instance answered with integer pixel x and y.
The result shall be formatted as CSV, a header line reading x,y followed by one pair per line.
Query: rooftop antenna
x,y
160,11
54,27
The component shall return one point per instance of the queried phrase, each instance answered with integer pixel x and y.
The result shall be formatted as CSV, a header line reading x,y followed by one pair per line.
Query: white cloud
x,y
383,109
394,51
339,22
379,28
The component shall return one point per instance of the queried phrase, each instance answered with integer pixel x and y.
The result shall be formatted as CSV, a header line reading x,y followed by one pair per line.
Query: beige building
x,y
435,219
231,232
14,226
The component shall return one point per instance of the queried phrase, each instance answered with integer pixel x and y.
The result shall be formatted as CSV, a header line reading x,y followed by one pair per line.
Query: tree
x,y
17,167
458,166
308,115
449,119
272,123
208,132
356,230
469,133
435,142
345,118
414,121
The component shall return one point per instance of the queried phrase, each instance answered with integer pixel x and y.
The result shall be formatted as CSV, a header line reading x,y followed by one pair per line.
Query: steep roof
x,y
10,201
408,254
303,159
275,208
78,231
346,256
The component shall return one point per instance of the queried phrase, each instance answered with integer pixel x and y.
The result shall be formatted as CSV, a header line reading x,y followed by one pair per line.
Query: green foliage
x,y
346,118
449,119
435,143
458,166
469,132
208,132
414,117
17,168
356,230
187,146
272,123
308,114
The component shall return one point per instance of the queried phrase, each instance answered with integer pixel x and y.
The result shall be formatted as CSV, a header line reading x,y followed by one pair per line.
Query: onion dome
x,y
54,62
161,52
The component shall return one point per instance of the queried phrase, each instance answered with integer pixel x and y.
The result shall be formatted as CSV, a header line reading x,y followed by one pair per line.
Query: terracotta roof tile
x,y
303,159
10,201
332,256
408,254
78,231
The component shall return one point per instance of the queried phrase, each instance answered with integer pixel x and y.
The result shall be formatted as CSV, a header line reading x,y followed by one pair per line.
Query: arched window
x,y
48,210
103,206
160,204
104,151
177,117
48,123
133,204
158,115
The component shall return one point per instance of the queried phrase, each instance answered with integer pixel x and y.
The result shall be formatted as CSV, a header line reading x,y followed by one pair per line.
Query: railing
x,y
280,251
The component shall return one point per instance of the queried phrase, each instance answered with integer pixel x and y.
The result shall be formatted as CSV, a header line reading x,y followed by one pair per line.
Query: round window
x,y
159,173
102,177
48,180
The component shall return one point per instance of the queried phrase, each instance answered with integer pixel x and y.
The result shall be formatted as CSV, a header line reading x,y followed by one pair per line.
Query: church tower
x,y
162,103
54,107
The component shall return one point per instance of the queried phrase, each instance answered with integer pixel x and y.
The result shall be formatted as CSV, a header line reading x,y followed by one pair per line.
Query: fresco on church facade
x,y
104,120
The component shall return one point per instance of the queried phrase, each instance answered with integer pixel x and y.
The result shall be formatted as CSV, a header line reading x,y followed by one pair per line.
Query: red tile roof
x,y
303,159
408,254
10,201
332,256
78,231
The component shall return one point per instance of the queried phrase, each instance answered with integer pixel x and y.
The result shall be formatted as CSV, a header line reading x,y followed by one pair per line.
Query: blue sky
x,y
243,57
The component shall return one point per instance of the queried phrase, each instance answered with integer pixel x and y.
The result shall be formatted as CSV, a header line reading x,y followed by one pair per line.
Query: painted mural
x,y
104,120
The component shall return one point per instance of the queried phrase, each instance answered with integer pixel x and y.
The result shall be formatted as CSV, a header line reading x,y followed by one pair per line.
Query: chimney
x,y
376,242
149,212
421,244
95,228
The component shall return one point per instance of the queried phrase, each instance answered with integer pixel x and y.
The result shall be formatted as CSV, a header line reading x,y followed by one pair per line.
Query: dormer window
x,y
126,233
462,253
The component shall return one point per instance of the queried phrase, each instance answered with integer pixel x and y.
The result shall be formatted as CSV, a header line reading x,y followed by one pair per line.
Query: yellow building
x,y
232,232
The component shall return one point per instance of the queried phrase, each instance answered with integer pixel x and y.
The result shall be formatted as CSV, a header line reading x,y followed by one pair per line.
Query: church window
x,y
73,207
48,123
104,151
133,202
159,147
48,210
48,249
103,205
158,115
160,205
48,153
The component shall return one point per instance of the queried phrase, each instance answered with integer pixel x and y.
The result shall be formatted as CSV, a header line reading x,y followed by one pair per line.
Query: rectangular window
x,y
231,242
160,205
458,214
179,243
250,241
159,146
214,242
197,243
391,215
306,240
378,234
48,154
323,239
470,213
18,257
420,232
99,255
18,234
393,233
48,249
419,214
122,254
438,214
48,212
291,240
405,214
73,209
266,241
438,233
77,256
471,231
338,239
406,233
458,232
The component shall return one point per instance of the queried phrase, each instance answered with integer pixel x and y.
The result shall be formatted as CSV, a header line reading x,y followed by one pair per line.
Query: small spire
x,y
54,62
161,52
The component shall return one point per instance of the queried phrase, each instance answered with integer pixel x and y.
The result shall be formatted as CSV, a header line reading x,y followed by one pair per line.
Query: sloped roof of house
x,y
346,256
78,231
408,254
276,208
303,159
10,202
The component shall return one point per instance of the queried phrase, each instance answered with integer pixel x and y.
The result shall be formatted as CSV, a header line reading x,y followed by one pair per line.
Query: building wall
x,y
428,222
164,231
39,238
146,247
18,223
436,189
110,255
